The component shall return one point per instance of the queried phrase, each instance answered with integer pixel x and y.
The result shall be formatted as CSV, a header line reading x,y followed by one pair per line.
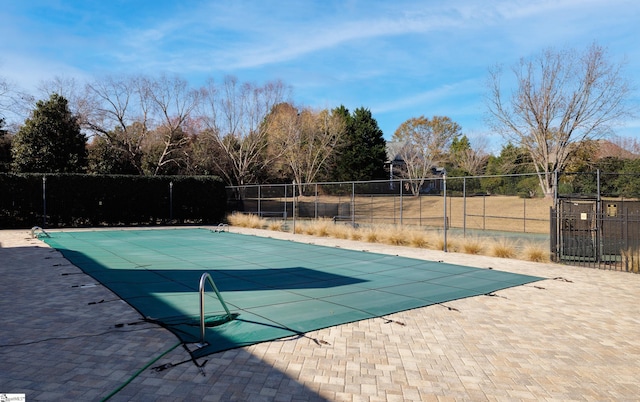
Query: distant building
x,y
395,161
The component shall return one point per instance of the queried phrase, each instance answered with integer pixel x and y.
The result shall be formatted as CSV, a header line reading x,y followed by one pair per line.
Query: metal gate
x,y
599,233
578,230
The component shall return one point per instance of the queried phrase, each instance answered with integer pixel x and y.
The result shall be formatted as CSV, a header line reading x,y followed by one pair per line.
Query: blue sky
x,y
400,59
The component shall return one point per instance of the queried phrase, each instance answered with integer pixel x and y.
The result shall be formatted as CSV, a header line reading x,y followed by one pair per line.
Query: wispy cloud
x,y
398,58
440,94
255,40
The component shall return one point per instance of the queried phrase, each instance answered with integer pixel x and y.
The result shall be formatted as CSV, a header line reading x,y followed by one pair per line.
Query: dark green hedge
x,y
68,200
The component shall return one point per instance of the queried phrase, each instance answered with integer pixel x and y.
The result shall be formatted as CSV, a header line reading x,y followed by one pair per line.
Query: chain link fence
x,y
464,204
593,220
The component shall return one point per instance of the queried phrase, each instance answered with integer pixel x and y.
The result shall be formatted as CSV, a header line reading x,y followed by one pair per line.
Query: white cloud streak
x,y
396,56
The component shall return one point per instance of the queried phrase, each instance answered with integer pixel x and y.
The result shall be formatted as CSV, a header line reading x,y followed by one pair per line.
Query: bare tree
x,y
206,157
14,103
305,139
630,145
561,98
425,145
6,97
174,102
472,159
80,101
122,113
235,113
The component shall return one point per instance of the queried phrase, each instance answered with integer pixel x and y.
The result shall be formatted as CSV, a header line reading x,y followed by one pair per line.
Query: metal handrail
x,y
222,227
206,277
36,228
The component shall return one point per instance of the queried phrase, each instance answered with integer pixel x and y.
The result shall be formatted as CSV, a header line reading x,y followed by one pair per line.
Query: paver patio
x,y
573,336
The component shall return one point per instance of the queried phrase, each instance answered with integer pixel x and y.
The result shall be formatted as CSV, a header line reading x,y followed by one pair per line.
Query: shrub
x,y
394,236
503,248
75,200
473,245
341,231
631,260
371,235
300,229
247,220
276,226
320,227
356,234
452,245
536,253
418,238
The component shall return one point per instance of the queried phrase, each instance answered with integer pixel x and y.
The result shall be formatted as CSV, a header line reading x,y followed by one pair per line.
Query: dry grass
x,y
631,260
453,245
503,248
419,239
473,245
394,236
356,234
300,229
416,237
536,253
340,231
371,235
276,226
247,221
320,228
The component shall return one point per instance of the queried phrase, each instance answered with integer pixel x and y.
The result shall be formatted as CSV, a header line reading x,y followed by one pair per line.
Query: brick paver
x,y
573,336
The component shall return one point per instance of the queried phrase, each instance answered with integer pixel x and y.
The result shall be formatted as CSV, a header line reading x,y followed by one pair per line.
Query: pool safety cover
x,y
273,288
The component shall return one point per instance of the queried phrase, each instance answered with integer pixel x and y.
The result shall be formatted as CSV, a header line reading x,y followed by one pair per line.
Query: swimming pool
x,y
273,288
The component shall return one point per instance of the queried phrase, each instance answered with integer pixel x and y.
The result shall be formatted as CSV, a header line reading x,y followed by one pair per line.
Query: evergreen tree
x,y
104,158
50,140
5,148
512,160
362,155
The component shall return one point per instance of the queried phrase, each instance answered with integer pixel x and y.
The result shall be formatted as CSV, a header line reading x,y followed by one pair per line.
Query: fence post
x,y
444,184
285,202
555,188
44,201
353,204
394,203
371,208
259,199
464,206
598,179
401,203
420,208
599,221
170,201
484,211
524,215
450,209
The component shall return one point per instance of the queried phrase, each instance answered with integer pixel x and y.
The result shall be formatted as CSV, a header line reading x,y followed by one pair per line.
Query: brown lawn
x,y
502,213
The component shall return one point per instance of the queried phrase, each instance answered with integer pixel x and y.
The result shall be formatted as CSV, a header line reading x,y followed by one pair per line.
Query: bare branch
x,y
235,114
562,98
425,143
304,139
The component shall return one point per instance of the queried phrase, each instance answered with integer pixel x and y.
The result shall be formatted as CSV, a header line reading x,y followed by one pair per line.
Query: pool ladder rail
x,y
222,227
41,230
203,281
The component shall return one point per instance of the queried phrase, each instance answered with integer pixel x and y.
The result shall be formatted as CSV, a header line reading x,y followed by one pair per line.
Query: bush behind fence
x,y
70,200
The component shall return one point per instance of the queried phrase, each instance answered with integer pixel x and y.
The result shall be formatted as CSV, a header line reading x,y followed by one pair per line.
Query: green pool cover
x,y
273,288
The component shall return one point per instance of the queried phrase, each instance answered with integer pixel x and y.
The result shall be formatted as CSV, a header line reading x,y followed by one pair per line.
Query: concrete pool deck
x,y
573,336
